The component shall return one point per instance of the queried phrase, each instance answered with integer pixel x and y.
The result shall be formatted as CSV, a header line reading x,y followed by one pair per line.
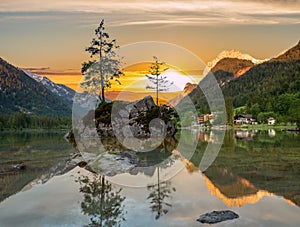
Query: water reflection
x,y
272,132
252,164
43,153
119,161
102,202
231,189
245,134
257,178
159,195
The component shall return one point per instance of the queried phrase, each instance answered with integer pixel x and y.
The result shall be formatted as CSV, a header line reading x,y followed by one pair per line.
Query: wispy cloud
x,y
43,71
129,13
37,69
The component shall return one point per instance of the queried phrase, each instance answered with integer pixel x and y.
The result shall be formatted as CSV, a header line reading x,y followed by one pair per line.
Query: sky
x,y
49,37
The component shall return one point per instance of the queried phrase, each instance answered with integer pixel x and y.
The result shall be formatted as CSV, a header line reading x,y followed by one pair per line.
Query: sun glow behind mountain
x,y
134,83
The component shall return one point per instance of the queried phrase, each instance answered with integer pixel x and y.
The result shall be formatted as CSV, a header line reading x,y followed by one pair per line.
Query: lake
x,y
253,173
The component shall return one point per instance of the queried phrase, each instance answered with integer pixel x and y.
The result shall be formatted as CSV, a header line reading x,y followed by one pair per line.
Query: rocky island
x,y
140,119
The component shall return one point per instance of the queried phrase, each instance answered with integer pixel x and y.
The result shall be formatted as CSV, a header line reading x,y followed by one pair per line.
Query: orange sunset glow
x,y
133,83
57,32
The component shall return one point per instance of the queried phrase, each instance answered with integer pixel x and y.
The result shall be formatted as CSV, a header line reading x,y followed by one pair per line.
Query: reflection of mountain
x,y
190,167
239,192
247,170
43,154
240,200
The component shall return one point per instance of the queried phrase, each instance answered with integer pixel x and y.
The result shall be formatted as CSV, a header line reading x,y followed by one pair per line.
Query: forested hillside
x,y
269,89
20,93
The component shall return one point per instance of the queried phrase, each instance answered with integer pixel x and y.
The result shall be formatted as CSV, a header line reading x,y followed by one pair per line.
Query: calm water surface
x,y
255,174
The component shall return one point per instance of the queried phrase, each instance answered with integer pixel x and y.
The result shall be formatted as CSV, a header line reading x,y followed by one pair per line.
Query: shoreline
x,y
32,130
246,127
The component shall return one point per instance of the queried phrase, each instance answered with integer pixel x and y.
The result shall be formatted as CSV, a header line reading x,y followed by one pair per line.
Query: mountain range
x,y
65,93
245,79
261,83
228,69
20,92
189,87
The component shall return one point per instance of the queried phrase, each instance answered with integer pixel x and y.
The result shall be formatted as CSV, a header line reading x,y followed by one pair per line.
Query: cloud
x,y
135,13
48,71
37,69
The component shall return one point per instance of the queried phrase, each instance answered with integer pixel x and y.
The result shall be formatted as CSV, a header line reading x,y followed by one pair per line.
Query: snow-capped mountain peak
x,y
58,89
233,54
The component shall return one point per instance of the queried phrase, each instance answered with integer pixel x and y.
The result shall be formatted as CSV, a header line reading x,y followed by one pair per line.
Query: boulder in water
x,y
217,216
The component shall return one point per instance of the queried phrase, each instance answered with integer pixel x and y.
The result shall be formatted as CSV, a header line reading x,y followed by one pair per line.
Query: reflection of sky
x,y
57,203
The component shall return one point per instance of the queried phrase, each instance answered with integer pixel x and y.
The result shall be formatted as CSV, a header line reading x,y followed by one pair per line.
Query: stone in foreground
x,y
217,216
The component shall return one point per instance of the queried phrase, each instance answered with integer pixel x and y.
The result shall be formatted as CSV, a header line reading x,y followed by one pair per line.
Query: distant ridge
x,y
292,54
228,69
189,87
19,93
65,93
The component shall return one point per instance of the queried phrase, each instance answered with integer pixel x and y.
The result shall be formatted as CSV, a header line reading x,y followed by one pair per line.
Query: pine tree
x,y
157,79
101,73
229,111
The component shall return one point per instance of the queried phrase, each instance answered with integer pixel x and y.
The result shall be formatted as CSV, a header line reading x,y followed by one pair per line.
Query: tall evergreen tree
x,y
101,73
229,110
157,79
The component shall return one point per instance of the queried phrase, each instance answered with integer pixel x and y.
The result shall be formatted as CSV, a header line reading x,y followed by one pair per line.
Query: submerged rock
x,y
108,164
20,166
217,216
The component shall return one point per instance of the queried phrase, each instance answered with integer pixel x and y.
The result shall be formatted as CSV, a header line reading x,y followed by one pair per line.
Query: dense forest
x,y
272,89
19,121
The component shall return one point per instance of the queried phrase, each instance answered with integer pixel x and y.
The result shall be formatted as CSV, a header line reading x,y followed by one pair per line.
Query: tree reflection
x,y
159,193
102,203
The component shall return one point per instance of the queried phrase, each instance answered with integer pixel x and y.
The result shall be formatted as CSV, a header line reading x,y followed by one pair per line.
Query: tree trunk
x,y
101,73
102,94
157,90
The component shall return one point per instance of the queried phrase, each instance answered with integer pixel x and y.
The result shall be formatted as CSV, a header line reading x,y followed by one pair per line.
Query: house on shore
x,y
203,118
271,121
244,119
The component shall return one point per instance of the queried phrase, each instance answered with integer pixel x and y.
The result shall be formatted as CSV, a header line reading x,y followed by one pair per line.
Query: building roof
x,y
248,116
